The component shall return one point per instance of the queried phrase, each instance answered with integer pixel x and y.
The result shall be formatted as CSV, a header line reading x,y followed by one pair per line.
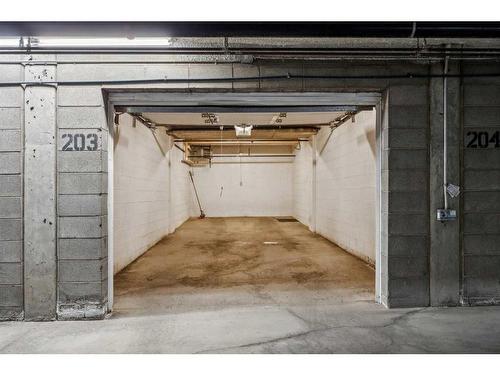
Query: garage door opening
x,y
225,207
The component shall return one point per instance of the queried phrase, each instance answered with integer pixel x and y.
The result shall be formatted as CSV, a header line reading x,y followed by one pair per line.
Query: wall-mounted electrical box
x,y
446,214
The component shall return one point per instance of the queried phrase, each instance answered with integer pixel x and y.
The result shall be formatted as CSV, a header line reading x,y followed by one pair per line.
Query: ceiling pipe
x,y
243,79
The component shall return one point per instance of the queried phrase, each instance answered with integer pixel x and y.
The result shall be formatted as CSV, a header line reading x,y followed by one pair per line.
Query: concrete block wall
x,y
249,188
406,237
481,189
405,196
82,204
346,185
141,200
11,195
182,203
302,179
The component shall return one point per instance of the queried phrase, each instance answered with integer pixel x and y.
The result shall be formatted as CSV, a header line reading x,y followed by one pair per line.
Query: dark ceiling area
x,y
255,29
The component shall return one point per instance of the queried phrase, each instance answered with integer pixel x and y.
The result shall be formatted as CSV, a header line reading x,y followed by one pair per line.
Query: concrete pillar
x,y
445,236
40,195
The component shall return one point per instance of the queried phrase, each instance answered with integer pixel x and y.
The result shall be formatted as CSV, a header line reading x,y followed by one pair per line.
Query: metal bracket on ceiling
x,y
342,119
144,121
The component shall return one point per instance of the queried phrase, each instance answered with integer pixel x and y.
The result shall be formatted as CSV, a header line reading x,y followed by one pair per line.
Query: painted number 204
x,y
483,139
80,142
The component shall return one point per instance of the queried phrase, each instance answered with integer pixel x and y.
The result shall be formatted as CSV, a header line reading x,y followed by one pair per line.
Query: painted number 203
x,y
483,139
80,142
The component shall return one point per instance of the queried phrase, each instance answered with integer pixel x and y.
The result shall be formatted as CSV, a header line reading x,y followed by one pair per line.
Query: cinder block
x,y
268,70
408,95
11,313
245,71
404,138
481,244
482,266
478,117
112,71
408,292
408,246
10,140
79,96
482,223
81,292
104,289
82,227
78,311
408,267
11,229
82,270
482,201
82,183
409,224
10,186
81,118
404,116
481,95
11,295
10,118
481,159
82,161
404,159
482,180
10,162
482,288
11,97
10,207
405,202
11,251
82,140
11,273
11,72
81,205
210,71
82,248
413,180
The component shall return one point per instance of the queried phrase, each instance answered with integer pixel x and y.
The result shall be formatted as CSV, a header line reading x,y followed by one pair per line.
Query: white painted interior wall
x,y
181,190
144,186
345,186
302,183
265,189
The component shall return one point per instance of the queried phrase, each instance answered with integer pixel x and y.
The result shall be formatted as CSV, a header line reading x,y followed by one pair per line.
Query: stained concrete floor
x,y
255,285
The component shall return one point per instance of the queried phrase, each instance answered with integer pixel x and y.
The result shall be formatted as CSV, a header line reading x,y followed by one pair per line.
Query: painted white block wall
x,y
345,186
302,184
142,181
266,188
182,194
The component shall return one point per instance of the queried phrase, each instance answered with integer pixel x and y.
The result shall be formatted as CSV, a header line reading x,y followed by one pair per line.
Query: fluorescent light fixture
x,y
83,43
243,130
10,42
53,42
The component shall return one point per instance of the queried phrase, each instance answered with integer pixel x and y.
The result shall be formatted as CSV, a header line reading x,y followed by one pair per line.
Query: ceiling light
x,y
243,130
76,43
11,42
100,42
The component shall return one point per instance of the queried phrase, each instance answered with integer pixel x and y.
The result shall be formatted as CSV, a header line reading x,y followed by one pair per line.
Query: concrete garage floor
x,y
214,286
